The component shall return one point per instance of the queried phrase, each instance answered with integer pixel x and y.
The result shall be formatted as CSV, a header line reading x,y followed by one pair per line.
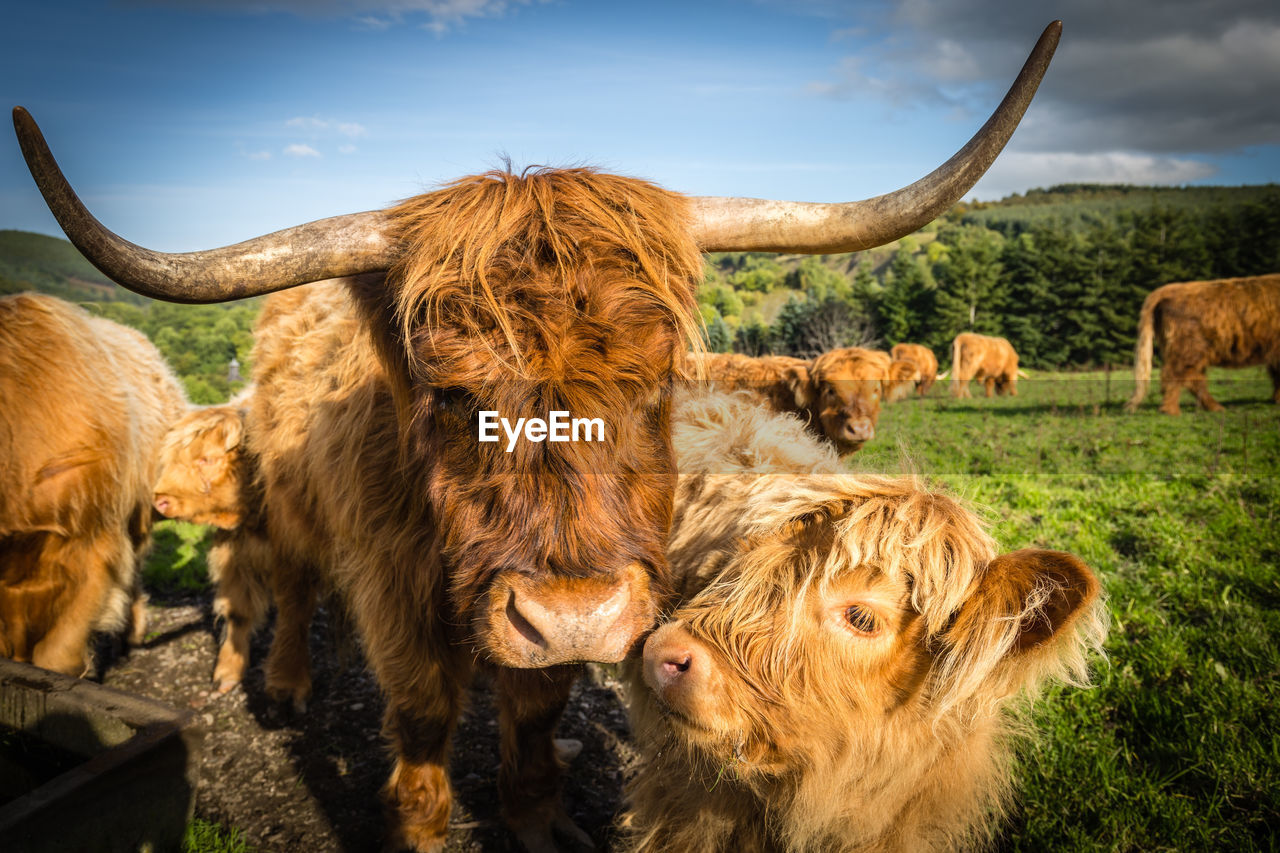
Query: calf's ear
x,y
1032,616
797,379
1039,593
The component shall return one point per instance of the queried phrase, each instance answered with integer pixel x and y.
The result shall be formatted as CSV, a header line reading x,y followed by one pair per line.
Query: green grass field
x,y
1177,747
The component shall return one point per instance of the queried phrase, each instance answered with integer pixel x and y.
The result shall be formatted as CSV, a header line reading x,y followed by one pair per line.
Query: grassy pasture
x,y
1177,747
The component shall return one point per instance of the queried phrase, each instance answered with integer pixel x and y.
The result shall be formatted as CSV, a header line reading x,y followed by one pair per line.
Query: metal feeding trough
x,y
85,767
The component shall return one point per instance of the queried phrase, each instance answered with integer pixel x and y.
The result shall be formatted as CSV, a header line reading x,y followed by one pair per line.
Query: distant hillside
x,y
51,265
1083,204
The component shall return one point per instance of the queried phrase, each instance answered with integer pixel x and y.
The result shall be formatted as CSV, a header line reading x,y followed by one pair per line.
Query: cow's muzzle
x,y
533,621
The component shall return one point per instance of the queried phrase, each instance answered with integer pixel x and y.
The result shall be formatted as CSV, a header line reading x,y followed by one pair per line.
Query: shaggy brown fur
x,y
924,360
209,476
840,669
555,290
84,404
1232,322
992,361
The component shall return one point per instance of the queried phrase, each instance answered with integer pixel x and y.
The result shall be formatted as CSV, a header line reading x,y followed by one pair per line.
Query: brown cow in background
x,y
990,360
1231,322
84,405
842,669
780,379
838,394
924,360
844,392
208,475
552,290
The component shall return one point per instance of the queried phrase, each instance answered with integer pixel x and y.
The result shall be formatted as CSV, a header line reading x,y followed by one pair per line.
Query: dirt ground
x,y
310,782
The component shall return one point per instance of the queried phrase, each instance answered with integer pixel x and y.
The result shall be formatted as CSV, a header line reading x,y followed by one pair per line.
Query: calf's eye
x,y
861,619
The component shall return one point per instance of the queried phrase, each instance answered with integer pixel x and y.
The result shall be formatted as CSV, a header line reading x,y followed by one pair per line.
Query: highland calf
x,y
839,671
553,290
84,405
1231,322
992,361
209,476
924,360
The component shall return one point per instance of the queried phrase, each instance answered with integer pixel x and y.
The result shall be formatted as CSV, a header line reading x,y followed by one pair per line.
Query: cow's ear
x,y
232,431
1037,596
797,379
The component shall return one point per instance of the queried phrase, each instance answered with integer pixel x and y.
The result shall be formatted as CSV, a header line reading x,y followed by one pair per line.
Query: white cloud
x,y
258,155
297,149
316,124
346,149
374,15
1019,171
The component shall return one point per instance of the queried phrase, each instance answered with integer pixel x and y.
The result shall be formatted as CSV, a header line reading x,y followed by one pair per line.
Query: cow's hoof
x,y
561,835
294,696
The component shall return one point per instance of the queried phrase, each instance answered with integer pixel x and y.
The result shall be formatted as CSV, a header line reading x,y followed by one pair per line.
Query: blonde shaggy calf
x,y
839,671
207,475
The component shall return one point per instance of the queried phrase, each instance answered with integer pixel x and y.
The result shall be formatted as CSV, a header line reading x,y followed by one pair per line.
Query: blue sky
x,y
186,124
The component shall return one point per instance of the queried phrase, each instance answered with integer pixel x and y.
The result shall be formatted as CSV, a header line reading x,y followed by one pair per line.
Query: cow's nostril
x,y
677,663
523,625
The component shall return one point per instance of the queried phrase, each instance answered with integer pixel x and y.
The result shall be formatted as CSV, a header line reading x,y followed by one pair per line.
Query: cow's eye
x,y
861,619
452,398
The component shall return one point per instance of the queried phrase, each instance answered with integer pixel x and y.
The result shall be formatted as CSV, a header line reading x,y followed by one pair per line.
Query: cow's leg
x,y
1274,371
88,569
1170,390
289,661
990,384
530,703
239,603
1200,388
419,723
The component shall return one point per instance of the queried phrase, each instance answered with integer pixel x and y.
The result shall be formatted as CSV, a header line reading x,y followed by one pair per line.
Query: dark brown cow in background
x,y
1231,322
517,294
990,360
84,404
208,475
924,360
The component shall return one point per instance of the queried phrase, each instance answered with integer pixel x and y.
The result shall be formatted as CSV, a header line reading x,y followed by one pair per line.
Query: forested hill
x,y
1061,272
198,341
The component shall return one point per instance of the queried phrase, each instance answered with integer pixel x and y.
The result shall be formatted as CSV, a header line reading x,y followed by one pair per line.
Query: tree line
x,y
1064,289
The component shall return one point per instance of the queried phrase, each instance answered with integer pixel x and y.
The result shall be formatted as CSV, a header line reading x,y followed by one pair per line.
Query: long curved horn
x,y
756,225
327,248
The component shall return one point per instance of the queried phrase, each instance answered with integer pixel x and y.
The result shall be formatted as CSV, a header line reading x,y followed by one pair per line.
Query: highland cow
x,y
838,393
923,358
992,361
553,290
1231,322
840,669
780,380
84,404
209,476
846,386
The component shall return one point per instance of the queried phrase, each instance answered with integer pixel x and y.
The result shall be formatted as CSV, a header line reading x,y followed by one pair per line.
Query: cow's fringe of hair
x,y
483,228
1143,350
